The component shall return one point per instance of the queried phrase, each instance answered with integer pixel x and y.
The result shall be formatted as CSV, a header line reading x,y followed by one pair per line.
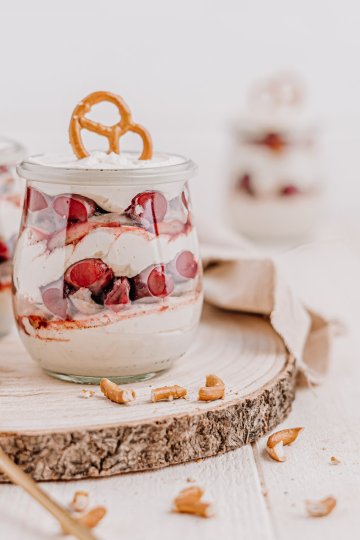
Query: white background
x,y
185,68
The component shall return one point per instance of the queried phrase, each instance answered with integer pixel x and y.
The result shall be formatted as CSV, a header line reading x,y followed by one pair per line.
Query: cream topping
x,y
98,160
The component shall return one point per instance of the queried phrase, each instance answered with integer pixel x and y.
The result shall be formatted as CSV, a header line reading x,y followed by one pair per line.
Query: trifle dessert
x,y
11,193
276,190
107,276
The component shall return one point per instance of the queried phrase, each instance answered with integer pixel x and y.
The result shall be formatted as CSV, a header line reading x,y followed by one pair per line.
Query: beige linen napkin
x,y
237,277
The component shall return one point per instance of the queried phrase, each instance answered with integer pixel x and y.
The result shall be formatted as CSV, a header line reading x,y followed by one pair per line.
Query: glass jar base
x,y
82,379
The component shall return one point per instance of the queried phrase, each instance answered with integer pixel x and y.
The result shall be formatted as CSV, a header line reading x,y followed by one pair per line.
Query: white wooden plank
x,y
139,505
331,418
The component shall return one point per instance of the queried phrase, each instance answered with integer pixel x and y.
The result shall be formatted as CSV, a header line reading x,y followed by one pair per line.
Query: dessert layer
x,y
140,341
279,218
269,173
75,257
126,250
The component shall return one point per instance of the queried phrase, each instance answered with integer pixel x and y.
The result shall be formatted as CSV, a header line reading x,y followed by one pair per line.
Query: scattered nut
x,y
277,452
189,502
80,501
93,517
168,393
214,389
190,480
334,460
277,441
87,393
116,394
320,508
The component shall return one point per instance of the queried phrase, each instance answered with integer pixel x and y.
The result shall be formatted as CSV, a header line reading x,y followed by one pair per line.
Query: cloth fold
x,y
239,278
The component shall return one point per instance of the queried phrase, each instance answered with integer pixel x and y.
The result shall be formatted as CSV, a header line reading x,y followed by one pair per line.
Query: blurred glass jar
x,y
276,189
107,274
11,194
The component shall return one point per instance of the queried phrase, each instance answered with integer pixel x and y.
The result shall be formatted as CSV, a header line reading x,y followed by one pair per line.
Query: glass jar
x,y
107,275
11,194
276,188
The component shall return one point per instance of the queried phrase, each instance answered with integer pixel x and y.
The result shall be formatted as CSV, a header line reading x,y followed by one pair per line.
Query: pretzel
x,y
113,133
283,89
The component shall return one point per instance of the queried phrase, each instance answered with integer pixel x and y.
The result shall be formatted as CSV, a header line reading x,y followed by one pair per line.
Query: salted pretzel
x,y
281,90
113,133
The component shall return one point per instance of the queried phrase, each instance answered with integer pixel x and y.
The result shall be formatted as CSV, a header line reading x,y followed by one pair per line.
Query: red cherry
x,y
53,296
4,252
273,141
290,190
186,265
118,296
92,274
153,281
159,283
246,184
149,205
36,200
74,207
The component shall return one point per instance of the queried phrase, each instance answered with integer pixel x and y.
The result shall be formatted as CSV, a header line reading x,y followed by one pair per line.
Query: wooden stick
x,y
17,476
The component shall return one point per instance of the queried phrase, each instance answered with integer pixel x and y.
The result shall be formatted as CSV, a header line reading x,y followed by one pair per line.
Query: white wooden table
x,y
255,498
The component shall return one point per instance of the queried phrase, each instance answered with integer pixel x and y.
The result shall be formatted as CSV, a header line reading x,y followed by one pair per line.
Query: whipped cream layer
x,y
98,160
141,340
102,169
275,218
126,250
292,121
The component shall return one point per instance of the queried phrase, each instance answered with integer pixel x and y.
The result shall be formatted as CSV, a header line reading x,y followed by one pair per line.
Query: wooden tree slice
x,y
48,428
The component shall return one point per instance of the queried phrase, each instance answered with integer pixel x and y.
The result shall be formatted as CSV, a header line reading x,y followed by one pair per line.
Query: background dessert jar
x,y
107,274
11,193
276,190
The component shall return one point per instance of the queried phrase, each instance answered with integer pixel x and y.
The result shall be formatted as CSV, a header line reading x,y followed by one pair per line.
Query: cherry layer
x,y
273,141
61,217
290,191
155,281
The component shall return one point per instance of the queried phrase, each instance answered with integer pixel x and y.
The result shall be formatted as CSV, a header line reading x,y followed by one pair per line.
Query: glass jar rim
x,y
39,172
10,151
